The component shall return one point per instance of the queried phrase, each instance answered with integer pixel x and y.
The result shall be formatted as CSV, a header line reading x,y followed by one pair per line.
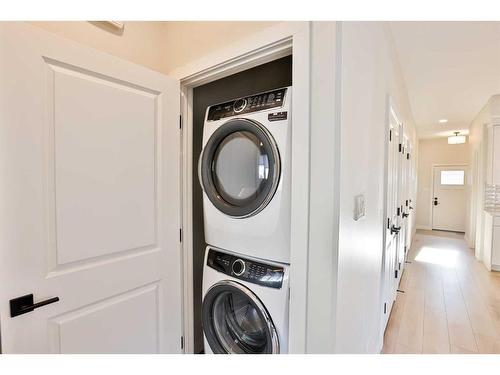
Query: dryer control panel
x,y
248,104
247,270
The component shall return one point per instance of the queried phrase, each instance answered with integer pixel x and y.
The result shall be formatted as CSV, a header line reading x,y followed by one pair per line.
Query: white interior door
x,y
449,198
404,202
90,171
408,209
401,209
390,256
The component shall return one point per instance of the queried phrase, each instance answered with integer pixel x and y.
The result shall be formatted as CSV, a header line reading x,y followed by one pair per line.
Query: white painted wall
x,y
324,189
432,152
370,72
187,41
139,42
161,46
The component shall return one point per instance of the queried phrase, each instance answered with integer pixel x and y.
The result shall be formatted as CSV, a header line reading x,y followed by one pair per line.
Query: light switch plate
x,y
359,206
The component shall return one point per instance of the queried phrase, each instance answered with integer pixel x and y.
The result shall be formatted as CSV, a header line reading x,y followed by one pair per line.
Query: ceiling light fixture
x,y
456,139
443,121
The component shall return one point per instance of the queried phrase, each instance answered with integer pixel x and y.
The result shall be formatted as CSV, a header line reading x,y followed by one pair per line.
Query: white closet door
x,y
392,223
90,199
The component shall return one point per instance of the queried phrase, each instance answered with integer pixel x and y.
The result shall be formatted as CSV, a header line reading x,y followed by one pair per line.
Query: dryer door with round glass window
x,y
236,322
240,168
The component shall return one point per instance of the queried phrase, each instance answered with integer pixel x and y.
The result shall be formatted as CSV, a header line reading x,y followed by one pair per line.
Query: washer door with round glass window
x,y
236,322
240,168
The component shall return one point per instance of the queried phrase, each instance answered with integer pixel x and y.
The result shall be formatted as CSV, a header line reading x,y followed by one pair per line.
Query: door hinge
x,y
390,135
388,223
400,147
180,121
182,342
406,203
396,274
398,211
385,308
180,234
408,156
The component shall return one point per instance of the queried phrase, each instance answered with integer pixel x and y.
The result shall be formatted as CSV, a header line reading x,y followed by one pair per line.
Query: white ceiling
x,y
450,69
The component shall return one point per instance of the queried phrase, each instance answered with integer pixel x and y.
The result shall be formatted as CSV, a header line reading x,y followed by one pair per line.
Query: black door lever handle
x,y
25,304
395,229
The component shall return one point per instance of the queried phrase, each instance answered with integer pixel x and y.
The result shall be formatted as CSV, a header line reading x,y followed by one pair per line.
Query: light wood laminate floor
x,y
451,302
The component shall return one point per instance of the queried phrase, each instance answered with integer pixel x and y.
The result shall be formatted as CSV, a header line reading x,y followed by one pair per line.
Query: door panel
x,y
450,195
90,152
104,164
79,331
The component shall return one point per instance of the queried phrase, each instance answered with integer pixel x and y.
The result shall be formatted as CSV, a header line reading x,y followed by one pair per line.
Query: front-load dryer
x,y
244,170
245,304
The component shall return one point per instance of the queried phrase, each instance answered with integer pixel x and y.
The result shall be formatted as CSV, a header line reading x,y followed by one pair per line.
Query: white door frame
x,y
262,47
431,213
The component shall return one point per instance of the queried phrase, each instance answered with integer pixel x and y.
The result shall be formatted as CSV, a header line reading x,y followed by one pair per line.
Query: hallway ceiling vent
x,y
456,139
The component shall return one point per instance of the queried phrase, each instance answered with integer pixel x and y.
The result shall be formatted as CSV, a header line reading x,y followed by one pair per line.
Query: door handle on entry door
x,y
435,202
25,304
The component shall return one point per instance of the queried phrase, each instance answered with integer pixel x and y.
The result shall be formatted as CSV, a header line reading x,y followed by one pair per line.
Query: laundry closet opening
x,y
270,76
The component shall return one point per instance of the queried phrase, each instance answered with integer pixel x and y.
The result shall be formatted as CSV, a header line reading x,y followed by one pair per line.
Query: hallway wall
x,y
370,73
187,41
432,152
139,42
161,46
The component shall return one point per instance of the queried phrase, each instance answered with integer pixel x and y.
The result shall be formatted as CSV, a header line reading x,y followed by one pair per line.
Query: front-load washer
x,y
245,304
244,170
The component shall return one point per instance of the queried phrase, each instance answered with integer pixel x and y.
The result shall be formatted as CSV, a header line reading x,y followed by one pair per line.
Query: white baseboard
x,y
494,267
423,227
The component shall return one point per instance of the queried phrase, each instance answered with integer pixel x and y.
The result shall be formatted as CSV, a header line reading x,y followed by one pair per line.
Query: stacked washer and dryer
x,y
244,170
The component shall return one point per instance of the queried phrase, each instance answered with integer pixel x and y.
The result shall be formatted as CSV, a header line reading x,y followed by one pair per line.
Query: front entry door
x,y
90,166
449,195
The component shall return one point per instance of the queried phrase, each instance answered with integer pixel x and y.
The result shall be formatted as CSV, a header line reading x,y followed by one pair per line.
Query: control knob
x,y
239,105
238,267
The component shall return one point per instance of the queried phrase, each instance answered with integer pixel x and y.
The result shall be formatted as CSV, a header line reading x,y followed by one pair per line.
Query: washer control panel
x,y
248,104
247,270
